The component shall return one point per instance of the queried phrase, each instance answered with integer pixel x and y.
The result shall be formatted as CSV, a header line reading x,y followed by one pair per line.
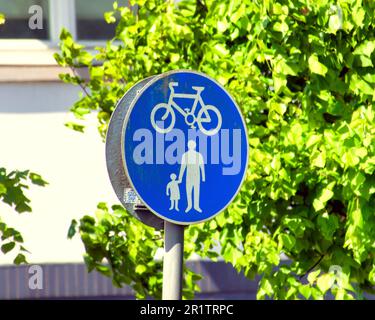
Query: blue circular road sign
x,y
184,147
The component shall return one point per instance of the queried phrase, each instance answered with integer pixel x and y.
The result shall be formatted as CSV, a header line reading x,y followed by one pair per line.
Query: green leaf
x,y
5,248
140,269
365,48
328,224
283,68
23,207
358,15
325,282
350,159
75,126
3,189
72,229
365,61
281,27
318,158
37,179
19,259
22,248
313,140
305,290
279,82
312,276
7,233
222,26
105,270
316,66
318,205
109,17
325,195
288,241
18,237
88,220
342,294
359,85
221,50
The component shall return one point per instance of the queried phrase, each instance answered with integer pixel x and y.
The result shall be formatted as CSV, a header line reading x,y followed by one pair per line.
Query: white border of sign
x,y
156,78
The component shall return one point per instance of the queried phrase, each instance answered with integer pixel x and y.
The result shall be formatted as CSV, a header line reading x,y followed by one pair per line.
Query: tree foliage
x,y
119,246
303,74
12,188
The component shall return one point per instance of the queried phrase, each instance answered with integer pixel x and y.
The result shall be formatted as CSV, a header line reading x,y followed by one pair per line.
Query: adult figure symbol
x,y
192,162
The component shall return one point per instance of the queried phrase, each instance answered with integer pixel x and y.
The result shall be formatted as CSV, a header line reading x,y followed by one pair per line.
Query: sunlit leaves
x,y
366,48
119,246
316,66
328,224
303,76
12,188
325,282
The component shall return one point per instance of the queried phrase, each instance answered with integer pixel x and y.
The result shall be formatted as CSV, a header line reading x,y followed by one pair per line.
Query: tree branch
x,y
312,268
83,87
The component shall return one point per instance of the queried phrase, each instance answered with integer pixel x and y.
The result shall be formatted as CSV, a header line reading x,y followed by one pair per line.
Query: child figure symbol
x,y
192,167
173,191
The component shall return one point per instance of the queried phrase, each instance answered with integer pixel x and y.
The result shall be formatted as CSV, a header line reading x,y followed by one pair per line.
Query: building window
x,y
22,24
90,24
83,18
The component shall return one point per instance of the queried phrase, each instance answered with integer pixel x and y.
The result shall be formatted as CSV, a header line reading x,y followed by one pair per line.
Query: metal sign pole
x,y
173,261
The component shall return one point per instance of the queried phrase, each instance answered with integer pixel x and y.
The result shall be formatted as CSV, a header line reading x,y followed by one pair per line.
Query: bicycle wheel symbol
x,y
169,116
164,113
201,122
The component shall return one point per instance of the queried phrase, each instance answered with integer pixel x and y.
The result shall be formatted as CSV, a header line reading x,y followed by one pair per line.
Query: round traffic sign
x,y
184,146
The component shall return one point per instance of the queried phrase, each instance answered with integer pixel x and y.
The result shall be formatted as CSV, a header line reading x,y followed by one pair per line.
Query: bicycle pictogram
x,y
202,118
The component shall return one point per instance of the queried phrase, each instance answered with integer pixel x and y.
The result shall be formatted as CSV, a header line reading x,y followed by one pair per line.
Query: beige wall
x,y
33,136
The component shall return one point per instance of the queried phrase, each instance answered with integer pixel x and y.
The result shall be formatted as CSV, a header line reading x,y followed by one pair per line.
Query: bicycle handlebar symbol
x,y
202,117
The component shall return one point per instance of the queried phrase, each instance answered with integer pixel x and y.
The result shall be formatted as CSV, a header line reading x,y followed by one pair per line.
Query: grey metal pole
x,y
173,261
